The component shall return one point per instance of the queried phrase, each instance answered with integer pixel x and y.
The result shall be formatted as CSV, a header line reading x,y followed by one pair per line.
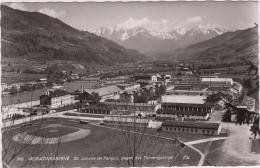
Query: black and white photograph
x,y
129,84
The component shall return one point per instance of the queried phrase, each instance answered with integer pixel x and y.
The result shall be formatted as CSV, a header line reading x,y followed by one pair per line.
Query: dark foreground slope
x,y
32,35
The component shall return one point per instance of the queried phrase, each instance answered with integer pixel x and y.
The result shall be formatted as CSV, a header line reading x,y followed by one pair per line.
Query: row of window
x,y
134,107
180,115
185,108
96,111
188,130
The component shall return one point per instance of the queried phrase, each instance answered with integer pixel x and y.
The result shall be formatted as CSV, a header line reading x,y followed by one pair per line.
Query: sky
x,y
160,15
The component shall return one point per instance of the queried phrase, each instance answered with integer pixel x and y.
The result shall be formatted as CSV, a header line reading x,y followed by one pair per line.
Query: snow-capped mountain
x,y
153,38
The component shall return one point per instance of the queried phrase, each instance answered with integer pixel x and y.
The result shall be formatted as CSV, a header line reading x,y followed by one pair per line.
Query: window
x,y
196,130
183,129
212,132
191,130
208,131
203,131
188,130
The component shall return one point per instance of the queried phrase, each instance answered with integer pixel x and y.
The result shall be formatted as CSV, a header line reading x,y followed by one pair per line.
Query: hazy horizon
x,y
158,15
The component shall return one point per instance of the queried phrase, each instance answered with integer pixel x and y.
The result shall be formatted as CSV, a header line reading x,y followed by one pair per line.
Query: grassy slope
x,y
38,36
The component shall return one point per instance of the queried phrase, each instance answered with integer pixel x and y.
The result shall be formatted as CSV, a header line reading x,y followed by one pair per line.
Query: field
x,y
49,132
102,147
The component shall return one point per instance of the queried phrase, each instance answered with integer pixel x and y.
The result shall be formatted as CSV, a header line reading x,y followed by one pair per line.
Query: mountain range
x,y
156,42
33,35
228,47
37,36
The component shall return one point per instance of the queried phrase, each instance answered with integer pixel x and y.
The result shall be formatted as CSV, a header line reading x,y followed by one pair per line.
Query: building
x,y
116,80
167,78
43,80
96,109
217,82
143,108
203,92
154,78
190,127
236,88
127,97
186,107
109,92
125,121
129,86
56,99
185,111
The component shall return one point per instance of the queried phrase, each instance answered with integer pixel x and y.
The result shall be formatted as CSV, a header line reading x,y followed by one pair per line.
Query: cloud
x,y
52,12
194,19
162,25
152,25
17,5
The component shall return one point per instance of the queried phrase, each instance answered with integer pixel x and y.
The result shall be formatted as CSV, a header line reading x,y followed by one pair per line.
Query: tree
x,y
227,116
255,130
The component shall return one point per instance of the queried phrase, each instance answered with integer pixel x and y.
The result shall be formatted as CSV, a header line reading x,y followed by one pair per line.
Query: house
x,y
190,127
56,99
154,78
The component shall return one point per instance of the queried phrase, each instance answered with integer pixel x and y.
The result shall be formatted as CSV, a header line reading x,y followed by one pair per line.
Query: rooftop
x,y
104,90
216,79
126,119
127,104
182,112
187,99
192,124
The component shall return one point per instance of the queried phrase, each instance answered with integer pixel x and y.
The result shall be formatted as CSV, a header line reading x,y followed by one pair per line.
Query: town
x,y
133,84
181,101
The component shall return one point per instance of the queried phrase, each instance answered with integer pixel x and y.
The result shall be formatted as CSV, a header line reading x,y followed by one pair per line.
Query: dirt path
x,y
237,147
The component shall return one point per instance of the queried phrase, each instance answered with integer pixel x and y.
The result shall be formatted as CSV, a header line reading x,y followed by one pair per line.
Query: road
x,y
237,147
